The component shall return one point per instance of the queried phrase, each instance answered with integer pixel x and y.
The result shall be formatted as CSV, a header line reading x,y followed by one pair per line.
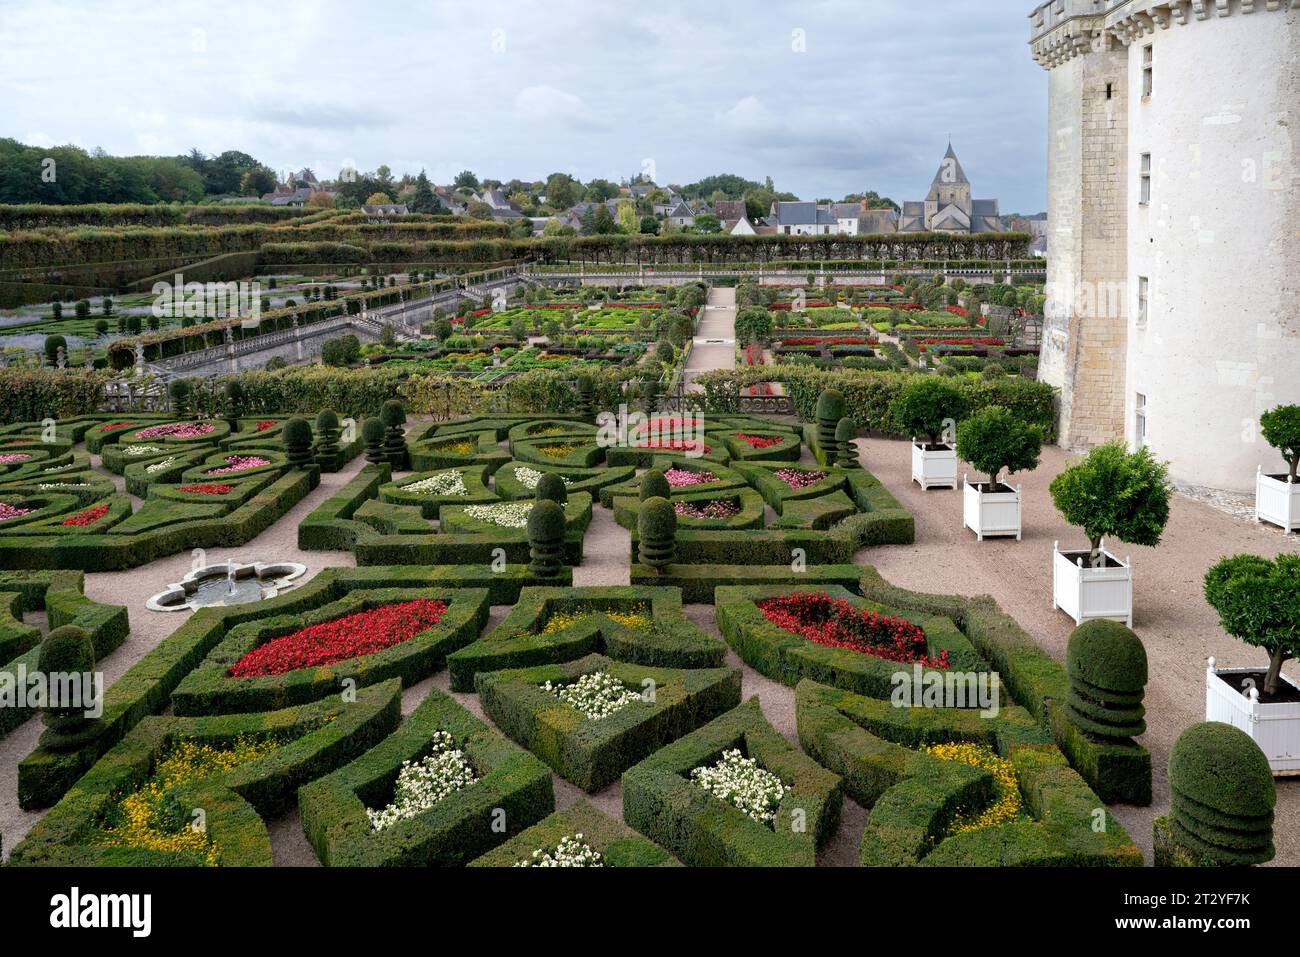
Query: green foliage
x,y
753,324
654,485
551,488
372,434
327,421
69,651
1107,666
1222,796
926,405
52,346
831,406
1281,429
657,527
179,390
546,527
1258,602
296,438
994,439
846,437
1115,493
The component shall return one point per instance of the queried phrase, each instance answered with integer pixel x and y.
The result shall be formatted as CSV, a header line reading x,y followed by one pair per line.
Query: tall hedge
x,y
31,395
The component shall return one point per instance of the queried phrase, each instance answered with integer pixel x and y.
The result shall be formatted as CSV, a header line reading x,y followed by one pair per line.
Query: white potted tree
x,y
995,441
1116,493
1258,601
1277,497
931,406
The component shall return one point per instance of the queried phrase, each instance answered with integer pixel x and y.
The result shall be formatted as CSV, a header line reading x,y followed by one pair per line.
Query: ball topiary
x,y
1107,666
1222,796
655,485
657,528
296,439
393,415
551,487
846,439
328,454
546,538
372,434
831,407
67,650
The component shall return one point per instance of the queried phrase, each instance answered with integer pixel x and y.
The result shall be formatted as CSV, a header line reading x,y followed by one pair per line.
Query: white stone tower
x,y
1174,225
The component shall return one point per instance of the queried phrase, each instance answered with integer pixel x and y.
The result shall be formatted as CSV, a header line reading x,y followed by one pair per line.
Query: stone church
x,y
949,207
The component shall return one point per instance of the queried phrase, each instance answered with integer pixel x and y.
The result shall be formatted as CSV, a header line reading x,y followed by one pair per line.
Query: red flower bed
x,y
837,624
208,488
832,341
962,342
672,424
89,517
958,311
110,426
758,441
689,445
363,633
268,424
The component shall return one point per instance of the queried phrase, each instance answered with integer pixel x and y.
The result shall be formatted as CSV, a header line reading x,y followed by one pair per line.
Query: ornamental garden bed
x,y
567,452
579,836
833,636
593,718
516,480
792,804
492,791
429,491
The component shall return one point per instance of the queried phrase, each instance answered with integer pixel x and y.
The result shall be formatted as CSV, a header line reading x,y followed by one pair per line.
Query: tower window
x,y
1110,90
1140,420
1148,68
1143,310
1144,179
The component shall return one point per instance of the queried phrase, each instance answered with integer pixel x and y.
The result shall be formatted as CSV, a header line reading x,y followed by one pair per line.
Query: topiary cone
x,y
551,487
1222,796
655,485
296,439
1107,666
546,538
372,434
831,407
657,529
846,436
393,415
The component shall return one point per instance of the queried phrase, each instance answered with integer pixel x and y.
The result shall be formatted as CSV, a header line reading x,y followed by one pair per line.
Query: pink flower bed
x,y
684,478
715,509
8,511
239,463
176,430
796,478
9,458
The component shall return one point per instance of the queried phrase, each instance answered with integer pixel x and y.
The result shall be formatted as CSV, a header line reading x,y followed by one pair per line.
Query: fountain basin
x,y
227,583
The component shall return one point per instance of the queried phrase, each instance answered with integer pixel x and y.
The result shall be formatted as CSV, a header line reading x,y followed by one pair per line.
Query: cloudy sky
x,y
826,97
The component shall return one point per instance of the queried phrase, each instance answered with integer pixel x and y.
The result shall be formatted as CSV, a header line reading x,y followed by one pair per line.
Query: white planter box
x,y
1277,502
1274,727
934,468
990,513
1086,593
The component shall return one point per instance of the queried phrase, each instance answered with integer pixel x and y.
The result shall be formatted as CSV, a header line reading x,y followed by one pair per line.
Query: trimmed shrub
x,y
926,405
372,434
393,415
546,529
1107,666
1258,602
616,843
296,439
830,409
994,440
1115,493
1222,796
846,436
654,485
657,528
551,488
1281,429
69,651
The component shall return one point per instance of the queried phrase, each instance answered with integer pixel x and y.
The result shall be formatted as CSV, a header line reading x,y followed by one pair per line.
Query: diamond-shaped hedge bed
x,y
616,844
592,748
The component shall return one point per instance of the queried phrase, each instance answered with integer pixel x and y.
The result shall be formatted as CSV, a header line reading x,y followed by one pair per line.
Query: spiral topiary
x,y
546,538
586,406
831,407
67,650
1107,666
655,485
551,487
657,528
234,403
328,452
372,434
179,390
393,415
1222,796
296,439
846,438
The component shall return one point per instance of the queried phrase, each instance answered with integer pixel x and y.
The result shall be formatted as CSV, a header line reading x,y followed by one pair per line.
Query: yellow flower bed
x,y
557,451
149,819
455,448
638,618
1007,803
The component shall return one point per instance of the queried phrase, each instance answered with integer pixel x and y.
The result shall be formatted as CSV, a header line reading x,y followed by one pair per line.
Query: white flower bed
x,y
444,483
507,514
159,466
59,468
740,782
422,785
134,450
597,695
572,851
529,478
51,486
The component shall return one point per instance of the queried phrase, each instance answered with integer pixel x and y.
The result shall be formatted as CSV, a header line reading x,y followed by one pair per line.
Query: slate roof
x,y
950,162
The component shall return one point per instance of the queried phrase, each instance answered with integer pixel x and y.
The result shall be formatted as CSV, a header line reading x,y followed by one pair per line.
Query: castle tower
x,y
1173,226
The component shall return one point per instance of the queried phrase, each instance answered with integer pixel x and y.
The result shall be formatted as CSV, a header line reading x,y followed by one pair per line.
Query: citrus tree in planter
x,y
1111,493
1277,497
1258,601
930,406
995,441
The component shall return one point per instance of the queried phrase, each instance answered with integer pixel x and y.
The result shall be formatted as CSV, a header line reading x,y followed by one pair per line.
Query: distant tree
x,y
257,182
320,200
561,190
423,201
599,190
649,226
708,223
465,180
478,210
378,199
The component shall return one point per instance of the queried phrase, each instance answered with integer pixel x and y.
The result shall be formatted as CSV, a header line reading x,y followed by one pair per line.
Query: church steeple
x,y
950,171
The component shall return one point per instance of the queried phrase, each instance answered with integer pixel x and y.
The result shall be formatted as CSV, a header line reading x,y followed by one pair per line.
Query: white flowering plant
x,y
597,695
159,466
570,851
740,782
444,483
529,478
137,450
505,514
422,784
